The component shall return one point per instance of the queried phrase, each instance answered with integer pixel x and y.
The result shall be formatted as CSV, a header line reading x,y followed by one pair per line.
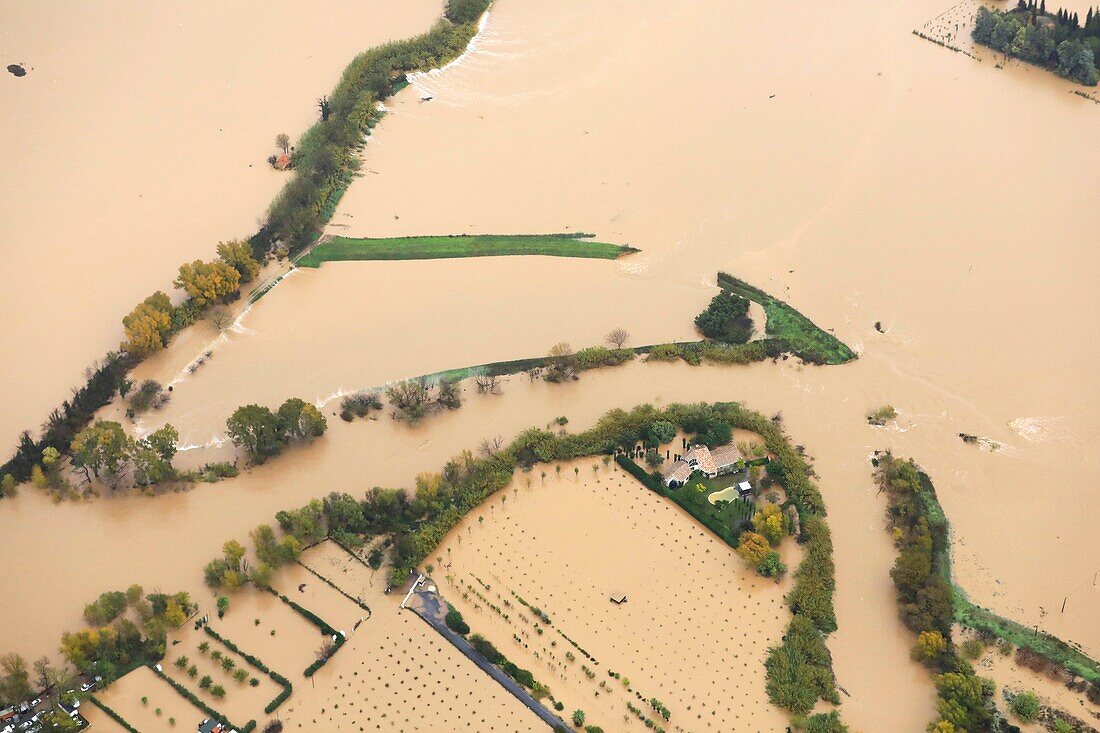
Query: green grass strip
x,y
806,340
460,245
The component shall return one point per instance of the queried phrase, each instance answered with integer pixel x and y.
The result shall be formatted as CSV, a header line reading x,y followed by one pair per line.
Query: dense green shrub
x,y
815,582
800,670
465,11
726,319
600,356
821,723
455,621
1025,706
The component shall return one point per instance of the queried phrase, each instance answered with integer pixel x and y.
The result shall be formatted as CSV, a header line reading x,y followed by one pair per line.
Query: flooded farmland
x,y
864,175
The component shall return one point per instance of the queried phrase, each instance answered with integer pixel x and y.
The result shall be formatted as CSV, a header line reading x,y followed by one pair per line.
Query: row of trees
x,y
925,598
324,162
153,321
325,158
1056,42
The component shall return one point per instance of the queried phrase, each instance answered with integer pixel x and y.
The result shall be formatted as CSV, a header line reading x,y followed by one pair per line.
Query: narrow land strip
x,y
462,245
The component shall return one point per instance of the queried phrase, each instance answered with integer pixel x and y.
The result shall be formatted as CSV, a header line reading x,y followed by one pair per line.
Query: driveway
x,y
429,606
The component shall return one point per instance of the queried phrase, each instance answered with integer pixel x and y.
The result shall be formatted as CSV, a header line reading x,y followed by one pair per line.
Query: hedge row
x,y
113,715
649,480
319,623
288,688
200,704
337,588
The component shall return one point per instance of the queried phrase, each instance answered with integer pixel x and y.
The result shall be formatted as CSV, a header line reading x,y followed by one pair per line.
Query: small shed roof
x,y
618,597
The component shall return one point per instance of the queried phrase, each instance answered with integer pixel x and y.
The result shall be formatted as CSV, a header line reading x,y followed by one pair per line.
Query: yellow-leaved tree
x,y
930,645
772,523
238,255
207,282
753,547
148,325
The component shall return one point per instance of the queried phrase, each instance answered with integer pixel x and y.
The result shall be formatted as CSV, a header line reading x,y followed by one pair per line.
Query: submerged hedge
x,y
200,704
321,624
113,715
288,688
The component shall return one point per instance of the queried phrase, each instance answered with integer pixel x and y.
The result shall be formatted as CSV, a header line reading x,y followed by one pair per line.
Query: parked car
x,y
87,686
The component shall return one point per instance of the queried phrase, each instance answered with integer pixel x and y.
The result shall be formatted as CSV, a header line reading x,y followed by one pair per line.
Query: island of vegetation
x,y
930,605
336,249
1056,41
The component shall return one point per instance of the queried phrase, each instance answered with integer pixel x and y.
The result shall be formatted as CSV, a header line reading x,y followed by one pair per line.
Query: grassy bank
x,y
918,499
339,249
801,335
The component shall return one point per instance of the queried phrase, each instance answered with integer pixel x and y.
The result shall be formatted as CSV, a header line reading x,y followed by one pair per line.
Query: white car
x,y
87,686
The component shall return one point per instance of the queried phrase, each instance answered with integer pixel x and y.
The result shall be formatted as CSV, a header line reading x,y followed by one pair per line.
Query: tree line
x,y
1056,41
925,601
324,162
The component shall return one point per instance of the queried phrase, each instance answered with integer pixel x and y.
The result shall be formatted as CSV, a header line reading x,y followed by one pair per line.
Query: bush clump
x,y
726,319
359,404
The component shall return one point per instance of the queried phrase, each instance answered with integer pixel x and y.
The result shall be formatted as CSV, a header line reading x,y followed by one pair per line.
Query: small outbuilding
x,y
744,489
618,598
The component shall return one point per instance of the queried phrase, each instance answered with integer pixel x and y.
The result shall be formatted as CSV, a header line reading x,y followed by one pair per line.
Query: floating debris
x,y
986,443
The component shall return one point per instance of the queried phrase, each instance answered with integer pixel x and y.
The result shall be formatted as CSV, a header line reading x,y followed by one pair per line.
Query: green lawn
x,y
474,245
723,518
803,336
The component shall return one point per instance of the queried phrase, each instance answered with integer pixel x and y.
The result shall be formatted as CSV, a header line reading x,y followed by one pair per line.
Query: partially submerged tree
x,y
208,282
617,337
148,325
238,255
563,364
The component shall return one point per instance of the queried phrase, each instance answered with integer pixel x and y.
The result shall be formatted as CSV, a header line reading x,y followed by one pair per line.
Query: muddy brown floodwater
x,y
842,163
138,142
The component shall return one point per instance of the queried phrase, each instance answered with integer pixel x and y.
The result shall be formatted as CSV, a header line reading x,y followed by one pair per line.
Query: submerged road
x,y
429,606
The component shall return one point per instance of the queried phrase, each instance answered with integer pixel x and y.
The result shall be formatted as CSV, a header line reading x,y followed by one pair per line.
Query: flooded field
x,y
865,175
692,633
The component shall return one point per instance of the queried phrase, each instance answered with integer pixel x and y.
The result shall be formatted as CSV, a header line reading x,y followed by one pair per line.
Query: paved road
x,y
430,607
